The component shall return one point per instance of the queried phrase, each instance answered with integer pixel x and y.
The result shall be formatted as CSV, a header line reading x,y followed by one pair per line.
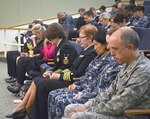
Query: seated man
x,y
80,20
99,75
66,21
120,7
102,9
89,19
130,88
96,16
139,19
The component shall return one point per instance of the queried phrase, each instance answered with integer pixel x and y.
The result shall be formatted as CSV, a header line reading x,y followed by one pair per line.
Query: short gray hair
x,y
128,35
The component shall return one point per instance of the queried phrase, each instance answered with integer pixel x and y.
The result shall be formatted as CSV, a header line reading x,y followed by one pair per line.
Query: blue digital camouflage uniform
x,y
99,75
130,90
141,21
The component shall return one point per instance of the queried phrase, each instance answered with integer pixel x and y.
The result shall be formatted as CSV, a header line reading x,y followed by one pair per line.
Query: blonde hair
x,y
39,28
105,16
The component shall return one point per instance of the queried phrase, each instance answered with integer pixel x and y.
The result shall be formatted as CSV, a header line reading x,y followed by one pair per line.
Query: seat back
x,y
147,53
77,46
144,34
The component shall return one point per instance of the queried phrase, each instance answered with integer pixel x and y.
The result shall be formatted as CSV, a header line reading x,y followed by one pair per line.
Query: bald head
x,y
120,7
60,15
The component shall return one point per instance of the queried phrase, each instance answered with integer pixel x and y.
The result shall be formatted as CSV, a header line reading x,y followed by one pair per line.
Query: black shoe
x,y
14,89
21,114
11,80
6,79
13,83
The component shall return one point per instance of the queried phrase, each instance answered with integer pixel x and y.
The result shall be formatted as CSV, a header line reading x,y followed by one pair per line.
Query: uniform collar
x,y
127,69
59,42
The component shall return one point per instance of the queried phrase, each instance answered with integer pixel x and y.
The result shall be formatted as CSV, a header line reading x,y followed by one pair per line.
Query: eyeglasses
x,y
111,21
82,37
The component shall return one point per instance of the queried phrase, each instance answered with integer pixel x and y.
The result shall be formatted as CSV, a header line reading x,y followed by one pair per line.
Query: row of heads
x,y
118,18
55,30
105,15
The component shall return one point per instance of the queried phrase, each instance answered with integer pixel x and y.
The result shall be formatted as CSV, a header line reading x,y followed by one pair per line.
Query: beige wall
x,y
15,12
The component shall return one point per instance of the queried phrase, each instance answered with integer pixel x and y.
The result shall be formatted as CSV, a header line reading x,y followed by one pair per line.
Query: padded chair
x,y
144,34
147,53
77,46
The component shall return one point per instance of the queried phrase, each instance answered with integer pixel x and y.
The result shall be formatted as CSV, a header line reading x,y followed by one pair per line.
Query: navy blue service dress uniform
x,y
64,59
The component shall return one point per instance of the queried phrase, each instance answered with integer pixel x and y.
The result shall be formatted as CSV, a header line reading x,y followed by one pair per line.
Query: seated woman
x,y
41,86
12,55
99,75
40,51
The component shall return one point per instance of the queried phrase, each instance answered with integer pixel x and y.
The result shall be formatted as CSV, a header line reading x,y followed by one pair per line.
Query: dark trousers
x,y
44,86
11,63
27,64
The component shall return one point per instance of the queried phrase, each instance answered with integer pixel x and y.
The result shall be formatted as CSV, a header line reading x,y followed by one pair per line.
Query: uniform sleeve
x,y
84,64
102,97
145,22
127,98
65,75
105,78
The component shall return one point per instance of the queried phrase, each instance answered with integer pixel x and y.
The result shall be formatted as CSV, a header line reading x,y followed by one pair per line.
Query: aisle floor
x,y
6,98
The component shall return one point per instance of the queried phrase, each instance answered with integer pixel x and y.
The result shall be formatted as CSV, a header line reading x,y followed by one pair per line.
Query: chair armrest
x,y
50,62
136,111
147,53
